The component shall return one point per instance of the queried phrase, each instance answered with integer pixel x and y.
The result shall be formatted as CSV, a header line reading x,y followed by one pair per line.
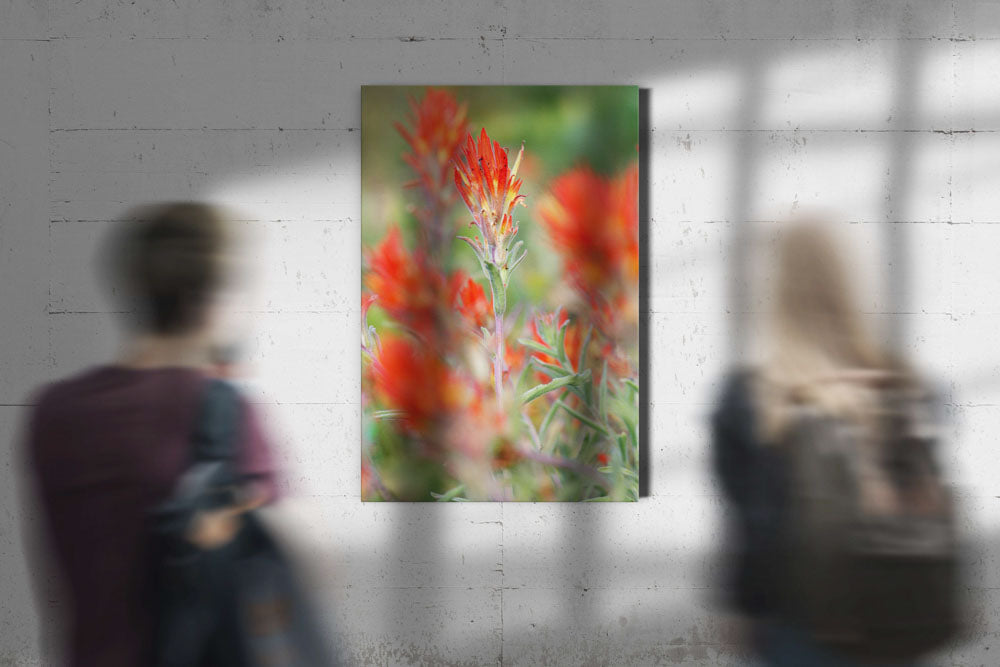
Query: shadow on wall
x,y
650,619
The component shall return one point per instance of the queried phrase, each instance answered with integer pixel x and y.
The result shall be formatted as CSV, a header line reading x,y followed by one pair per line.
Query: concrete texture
x,y
887,112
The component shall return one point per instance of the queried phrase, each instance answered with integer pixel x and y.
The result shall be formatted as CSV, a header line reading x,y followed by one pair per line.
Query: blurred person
x,y
108,445
844,548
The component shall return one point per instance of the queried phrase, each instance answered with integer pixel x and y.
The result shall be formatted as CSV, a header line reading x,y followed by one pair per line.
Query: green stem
x,y
498,360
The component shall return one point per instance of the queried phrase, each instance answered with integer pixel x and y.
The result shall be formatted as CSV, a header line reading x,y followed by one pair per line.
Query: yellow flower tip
x,y
517,161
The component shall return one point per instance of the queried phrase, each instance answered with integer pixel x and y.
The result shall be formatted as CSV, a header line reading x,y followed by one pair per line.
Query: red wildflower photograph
x,y
500,291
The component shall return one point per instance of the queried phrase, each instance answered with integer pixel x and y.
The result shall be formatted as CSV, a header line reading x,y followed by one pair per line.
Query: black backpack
x,y
871,550
238,605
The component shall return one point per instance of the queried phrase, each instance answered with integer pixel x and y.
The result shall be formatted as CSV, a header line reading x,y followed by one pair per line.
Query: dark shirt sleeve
x,y
256,455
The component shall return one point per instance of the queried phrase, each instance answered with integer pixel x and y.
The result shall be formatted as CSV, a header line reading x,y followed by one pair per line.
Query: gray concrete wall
x,y
884,111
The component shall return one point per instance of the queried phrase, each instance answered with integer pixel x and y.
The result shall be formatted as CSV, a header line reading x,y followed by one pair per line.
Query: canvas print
x,y
500,292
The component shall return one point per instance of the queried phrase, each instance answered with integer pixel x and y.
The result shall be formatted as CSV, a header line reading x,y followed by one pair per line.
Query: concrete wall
x,y
884,111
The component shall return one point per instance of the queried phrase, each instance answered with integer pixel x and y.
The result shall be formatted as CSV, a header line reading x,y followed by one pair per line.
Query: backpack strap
x,y
211,478
216,431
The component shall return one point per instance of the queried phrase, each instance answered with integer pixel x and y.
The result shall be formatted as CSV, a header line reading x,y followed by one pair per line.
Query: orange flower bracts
x,y
593,222
490,189
437,126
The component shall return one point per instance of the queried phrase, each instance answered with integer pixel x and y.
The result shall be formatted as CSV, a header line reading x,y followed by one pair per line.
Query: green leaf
x,y
609,470
561,343
583,348
520,377
543,389
498,286
537,347
582,393
557,371
548,417
602,398
585,420
631,431
583,388
450,495
517,260
472,244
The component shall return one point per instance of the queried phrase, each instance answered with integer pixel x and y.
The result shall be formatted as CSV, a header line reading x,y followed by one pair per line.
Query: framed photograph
x,y
500,293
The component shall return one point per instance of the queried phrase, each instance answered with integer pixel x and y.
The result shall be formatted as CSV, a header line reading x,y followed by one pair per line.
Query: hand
x,y
214,529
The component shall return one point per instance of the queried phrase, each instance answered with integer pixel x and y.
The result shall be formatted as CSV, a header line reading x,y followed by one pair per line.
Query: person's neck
x,y
159,351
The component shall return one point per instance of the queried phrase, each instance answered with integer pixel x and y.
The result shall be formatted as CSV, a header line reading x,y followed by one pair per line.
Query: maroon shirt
x,y
105,447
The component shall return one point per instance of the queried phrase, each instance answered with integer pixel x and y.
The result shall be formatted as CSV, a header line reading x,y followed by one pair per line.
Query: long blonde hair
x,y
820,344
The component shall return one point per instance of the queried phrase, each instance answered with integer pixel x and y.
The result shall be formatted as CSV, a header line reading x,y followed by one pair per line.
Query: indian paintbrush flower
x,y
594,223
437,125
412,290
490,189
416,381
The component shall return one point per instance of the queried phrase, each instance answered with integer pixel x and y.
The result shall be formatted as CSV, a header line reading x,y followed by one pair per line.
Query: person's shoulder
x,y
44,395
50,403
56,392
737,384
735,403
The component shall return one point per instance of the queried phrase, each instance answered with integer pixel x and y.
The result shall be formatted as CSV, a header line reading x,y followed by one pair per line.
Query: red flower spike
x,y
438,126
411,378
408,287
436,129
594,223
490,189
625,203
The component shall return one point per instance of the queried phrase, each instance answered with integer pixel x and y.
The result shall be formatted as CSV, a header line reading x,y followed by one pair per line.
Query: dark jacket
x,y
754,481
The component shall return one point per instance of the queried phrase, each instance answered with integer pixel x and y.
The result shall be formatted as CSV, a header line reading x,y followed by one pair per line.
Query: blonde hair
x,y
820,344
